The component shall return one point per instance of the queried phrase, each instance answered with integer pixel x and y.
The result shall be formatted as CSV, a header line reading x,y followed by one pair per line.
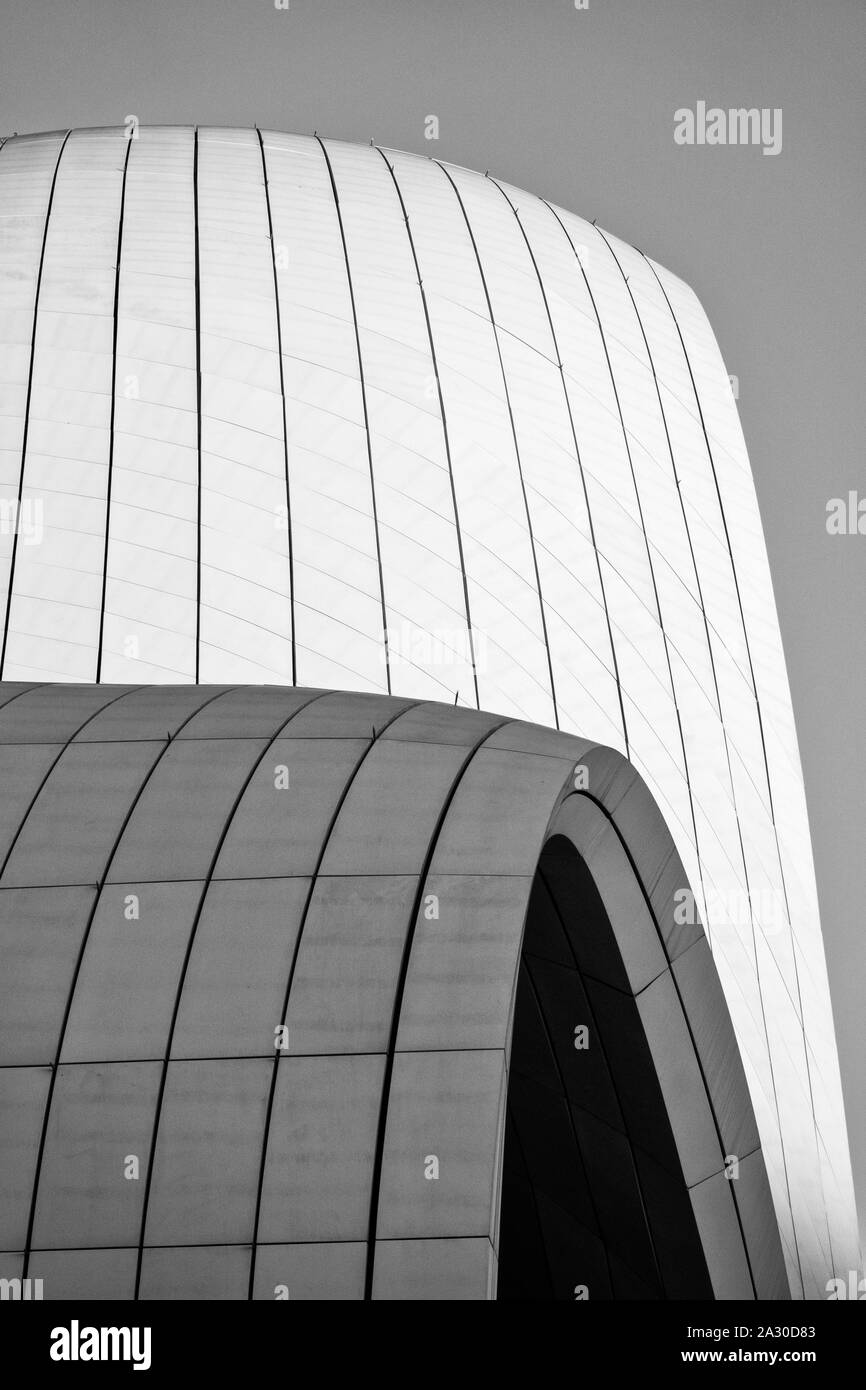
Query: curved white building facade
x,y
276,409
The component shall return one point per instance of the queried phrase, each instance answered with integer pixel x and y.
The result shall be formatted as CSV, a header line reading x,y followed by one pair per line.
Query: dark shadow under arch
x,y
593,1192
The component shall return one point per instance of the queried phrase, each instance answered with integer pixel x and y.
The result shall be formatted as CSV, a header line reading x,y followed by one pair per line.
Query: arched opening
x,y
594,1201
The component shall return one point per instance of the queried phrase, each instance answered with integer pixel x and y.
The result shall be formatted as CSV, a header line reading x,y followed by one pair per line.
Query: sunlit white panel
x,y
676,579
650,711
149,628
428,632
568,568
339,624
245,614
513,662
27,168
736,489
780,985
57,584
805,983
719,877
739,905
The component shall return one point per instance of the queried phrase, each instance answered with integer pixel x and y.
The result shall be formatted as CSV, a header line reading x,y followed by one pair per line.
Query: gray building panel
x,y
320,1146
381,1147
43,930
129,971
99,1115
348,963
24,1091
239,960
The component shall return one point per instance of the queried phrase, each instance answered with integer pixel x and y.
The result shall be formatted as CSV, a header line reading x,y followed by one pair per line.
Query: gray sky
x,y
578,106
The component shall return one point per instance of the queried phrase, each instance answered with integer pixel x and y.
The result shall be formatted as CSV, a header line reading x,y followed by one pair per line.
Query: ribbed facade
x,y
288,1006
277,409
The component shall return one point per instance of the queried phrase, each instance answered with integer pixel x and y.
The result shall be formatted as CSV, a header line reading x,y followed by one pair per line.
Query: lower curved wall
x,y
264,973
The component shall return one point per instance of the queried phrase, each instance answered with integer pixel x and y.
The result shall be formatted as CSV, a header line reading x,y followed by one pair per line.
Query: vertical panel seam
x,y
676,985
36,685
71,739
691,552
577,456
493,325
55,1066
379,1151
130,136
278,313
754,926
762,737
442,413
663,633
296,949
26,430
366,413
178,994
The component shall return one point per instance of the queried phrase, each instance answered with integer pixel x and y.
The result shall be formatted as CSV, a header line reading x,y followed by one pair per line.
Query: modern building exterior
x,y
269,1030
278,411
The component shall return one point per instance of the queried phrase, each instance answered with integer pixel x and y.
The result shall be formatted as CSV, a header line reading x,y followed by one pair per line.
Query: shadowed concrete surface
x,y
314,994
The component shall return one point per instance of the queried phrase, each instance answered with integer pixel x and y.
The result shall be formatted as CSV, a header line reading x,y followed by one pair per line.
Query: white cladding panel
x,y
275,408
